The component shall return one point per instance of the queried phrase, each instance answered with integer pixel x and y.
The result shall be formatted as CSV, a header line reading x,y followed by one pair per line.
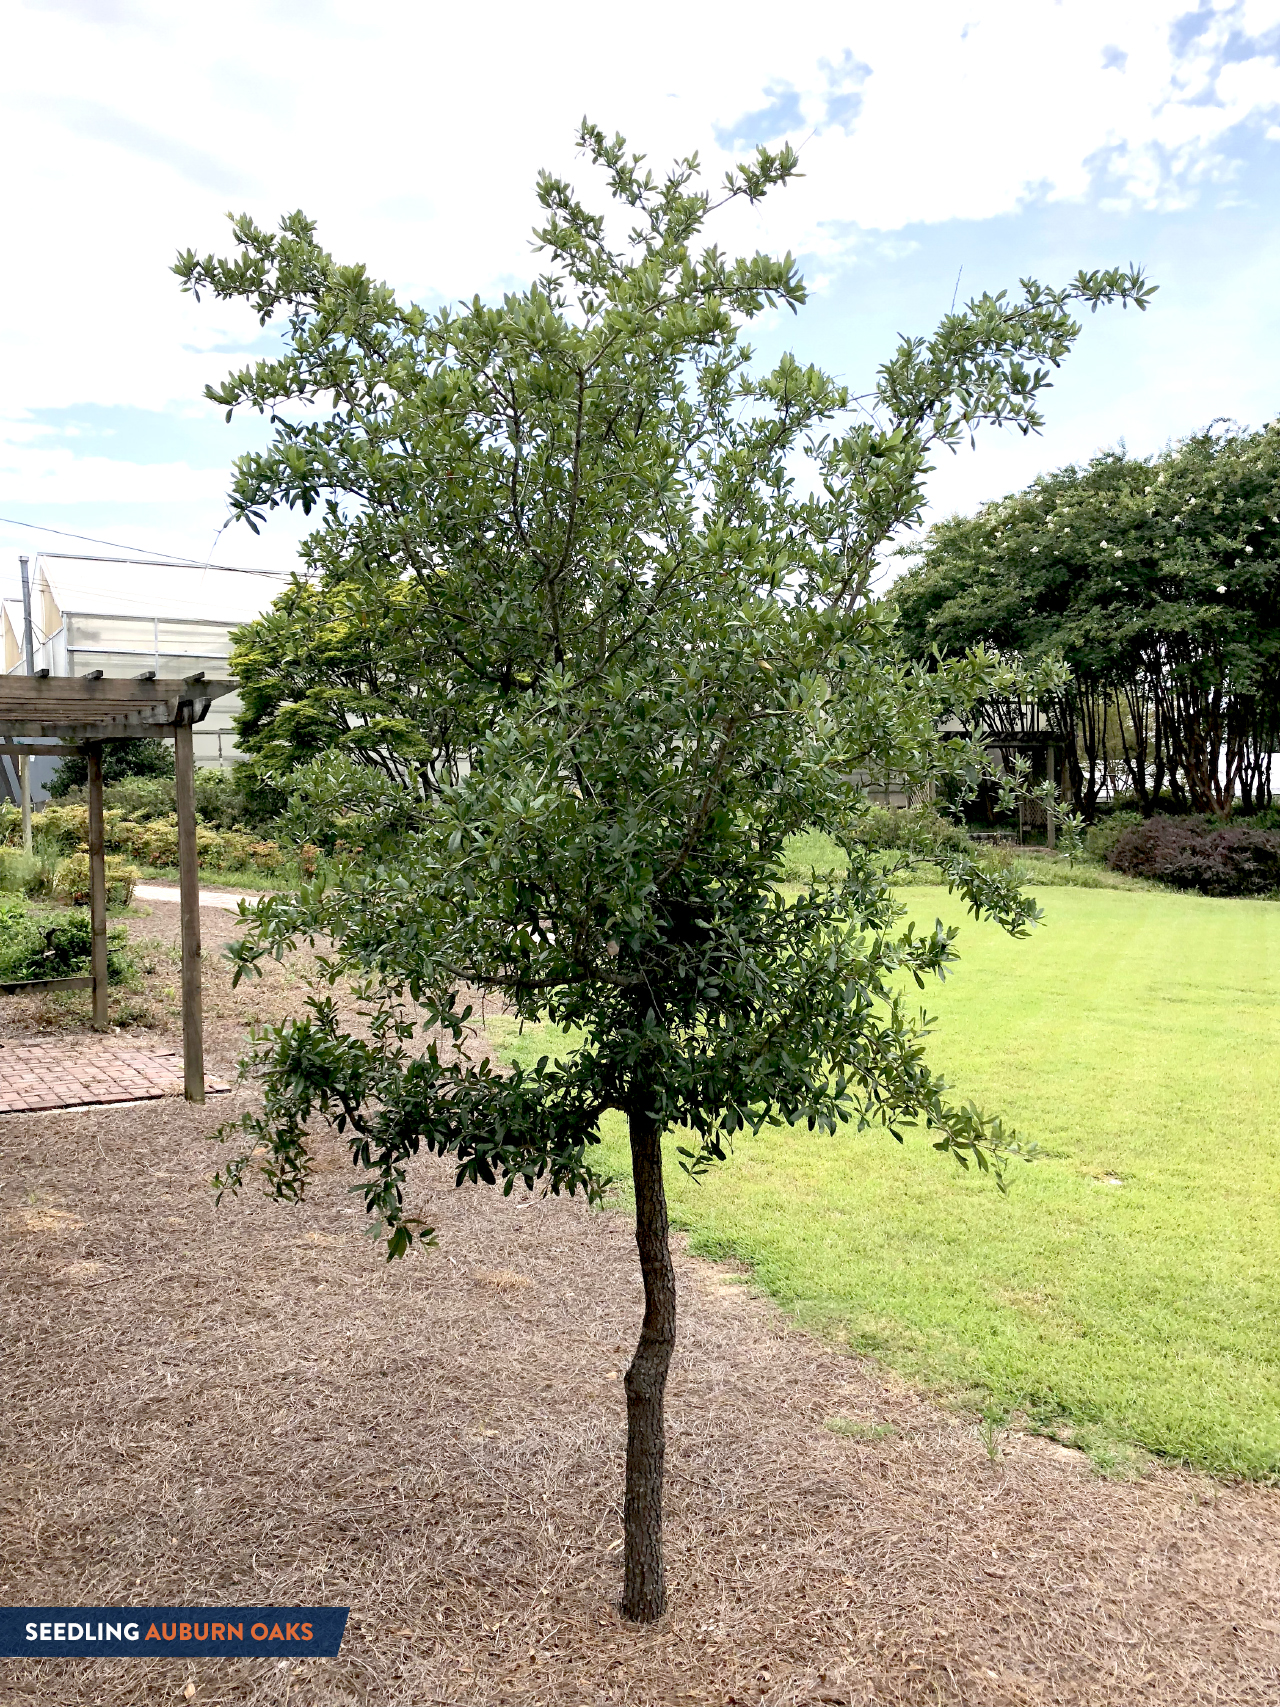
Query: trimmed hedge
x,y
1187,854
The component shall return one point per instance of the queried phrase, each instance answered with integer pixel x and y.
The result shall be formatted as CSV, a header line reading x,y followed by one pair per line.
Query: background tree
x,y
120,759
1158,581
567,595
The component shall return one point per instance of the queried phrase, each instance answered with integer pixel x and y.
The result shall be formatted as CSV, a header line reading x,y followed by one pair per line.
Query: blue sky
x,y
985,141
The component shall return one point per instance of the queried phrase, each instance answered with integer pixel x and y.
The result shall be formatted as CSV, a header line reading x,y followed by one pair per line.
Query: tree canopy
x,y
589,593
1157,579
120,759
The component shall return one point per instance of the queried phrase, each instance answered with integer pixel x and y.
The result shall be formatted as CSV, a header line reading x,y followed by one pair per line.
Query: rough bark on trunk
x,y
644,1595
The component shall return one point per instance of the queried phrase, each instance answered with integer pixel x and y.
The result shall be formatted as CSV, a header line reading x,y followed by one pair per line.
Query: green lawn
x,y
1125,1294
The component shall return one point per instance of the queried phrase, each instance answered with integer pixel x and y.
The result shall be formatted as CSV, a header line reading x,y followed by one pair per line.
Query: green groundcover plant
x,y
36,943
593,592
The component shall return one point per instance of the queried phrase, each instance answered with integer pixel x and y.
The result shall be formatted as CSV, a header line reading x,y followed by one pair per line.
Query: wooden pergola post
x,y
1051,828
24,784
97,889
189,902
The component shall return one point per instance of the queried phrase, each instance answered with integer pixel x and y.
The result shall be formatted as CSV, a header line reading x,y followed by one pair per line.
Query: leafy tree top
x,y
1106,563
569,585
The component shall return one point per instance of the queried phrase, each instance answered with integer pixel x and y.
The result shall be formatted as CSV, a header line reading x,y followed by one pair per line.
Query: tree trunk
x,y
644,1594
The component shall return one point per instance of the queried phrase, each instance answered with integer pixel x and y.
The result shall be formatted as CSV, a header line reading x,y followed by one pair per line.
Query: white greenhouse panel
x,y
110,633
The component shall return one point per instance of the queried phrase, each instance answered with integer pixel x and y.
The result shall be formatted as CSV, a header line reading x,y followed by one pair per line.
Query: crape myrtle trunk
x,y
644,1595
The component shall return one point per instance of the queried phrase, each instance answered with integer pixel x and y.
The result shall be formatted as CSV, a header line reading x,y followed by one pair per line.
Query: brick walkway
x,y
71,1075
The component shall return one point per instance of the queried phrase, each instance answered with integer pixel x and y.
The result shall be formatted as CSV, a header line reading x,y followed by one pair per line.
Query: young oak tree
x,y
590,593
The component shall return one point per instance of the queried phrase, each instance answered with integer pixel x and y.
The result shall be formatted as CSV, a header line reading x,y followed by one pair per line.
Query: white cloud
x,y
413,134
51,475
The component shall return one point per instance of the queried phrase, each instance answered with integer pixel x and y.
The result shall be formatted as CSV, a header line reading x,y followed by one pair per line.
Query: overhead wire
x,y
161,556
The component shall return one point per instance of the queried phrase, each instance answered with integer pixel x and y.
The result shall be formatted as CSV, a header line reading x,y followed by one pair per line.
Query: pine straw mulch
x,y
245,1405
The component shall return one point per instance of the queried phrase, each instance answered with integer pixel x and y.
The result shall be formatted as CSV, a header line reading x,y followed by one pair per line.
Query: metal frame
x,y
61,714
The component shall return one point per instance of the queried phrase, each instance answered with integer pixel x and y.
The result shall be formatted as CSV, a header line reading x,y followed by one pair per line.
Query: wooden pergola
x,y
55,715
1020,726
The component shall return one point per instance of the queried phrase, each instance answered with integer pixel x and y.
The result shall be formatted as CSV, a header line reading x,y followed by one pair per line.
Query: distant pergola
x,y
1016,726
54,715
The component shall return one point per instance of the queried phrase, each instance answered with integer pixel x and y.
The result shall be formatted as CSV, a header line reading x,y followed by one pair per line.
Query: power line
x,y
164,557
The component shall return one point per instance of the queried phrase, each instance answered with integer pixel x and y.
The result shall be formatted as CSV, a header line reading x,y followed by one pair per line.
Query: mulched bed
x,y
246,1405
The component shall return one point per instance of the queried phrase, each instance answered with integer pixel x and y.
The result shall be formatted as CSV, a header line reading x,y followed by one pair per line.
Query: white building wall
x,y
172,647
96,613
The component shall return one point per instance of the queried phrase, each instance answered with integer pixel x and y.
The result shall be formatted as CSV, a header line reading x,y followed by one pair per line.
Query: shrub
x,y
219,801
1101,838
1164,805
918,830
20,937
237,849
910,829
66,825
225,799
1187,854
141,798
54,945
19,872
258,796
71,880
155,842
62,832
344,807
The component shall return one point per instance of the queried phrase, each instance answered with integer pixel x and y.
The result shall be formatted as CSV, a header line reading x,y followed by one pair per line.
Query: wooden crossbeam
x,y
109,708
11,989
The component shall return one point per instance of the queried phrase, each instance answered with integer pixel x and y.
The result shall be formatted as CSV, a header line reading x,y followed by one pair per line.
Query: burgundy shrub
x,y
1187,854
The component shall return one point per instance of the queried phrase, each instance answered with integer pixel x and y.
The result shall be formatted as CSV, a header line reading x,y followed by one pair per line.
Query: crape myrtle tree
x,y
590,592
1157,580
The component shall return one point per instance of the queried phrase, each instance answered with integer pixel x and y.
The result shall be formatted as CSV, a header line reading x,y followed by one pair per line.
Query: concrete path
x,y
208,897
